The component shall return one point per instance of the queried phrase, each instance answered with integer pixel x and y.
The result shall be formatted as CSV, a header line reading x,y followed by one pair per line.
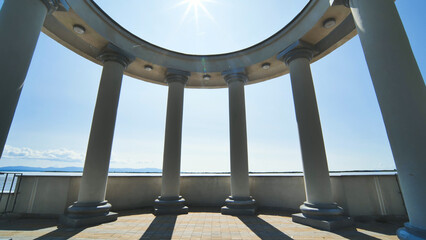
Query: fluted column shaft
x,y
238,136
173,135
20,25
95,173
401,94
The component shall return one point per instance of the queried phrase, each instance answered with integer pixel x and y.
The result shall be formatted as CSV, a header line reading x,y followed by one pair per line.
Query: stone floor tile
x,y
195,225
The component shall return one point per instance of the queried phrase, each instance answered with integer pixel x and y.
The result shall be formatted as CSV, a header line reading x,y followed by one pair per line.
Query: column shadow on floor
x,y
28,224
262,229
61,233
161,227
352,233
383,227
34,224
138,211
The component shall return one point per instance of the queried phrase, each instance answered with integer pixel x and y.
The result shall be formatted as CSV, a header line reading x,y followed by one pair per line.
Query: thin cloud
x,y
62,154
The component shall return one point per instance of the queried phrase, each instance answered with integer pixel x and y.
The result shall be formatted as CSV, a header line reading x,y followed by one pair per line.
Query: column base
x,y
239,206
88,214
170,205
322,216
328,225
409,232
321,211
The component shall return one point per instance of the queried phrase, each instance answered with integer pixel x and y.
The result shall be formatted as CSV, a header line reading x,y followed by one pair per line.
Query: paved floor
x,y
140,224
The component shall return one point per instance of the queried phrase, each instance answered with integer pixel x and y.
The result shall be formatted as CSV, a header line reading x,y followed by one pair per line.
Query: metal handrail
x,y
13,189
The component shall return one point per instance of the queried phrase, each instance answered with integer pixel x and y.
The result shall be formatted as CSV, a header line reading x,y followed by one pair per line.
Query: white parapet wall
x,y
361,194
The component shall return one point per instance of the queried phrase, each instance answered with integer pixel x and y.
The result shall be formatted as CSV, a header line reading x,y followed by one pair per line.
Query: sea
x,y
8,183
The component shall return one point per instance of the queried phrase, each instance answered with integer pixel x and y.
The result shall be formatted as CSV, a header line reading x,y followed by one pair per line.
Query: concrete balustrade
x,y
364,194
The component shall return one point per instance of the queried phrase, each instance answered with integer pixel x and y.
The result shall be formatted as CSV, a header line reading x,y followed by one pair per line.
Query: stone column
x,y
401,94
240,202
20,25
91,206
319,210
170,201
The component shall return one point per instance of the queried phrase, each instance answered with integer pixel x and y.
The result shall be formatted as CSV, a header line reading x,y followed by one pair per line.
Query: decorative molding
x,y
237,74
411,232
298,49
56,5
341,2
115,54
346,3
175,75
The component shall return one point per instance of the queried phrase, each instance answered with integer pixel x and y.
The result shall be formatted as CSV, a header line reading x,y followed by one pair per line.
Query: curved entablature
x,y
322,24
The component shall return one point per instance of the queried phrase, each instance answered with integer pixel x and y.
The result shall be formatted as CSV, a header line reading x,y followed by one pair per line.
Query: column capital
x,y
115,54
341,2
56,5
237,74
291,54
175,75
346,3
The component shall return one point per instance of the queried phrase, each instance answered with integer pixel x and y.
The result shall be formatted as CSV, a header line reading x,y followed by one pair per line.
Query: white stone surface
x,y
359,195
95,173
238,139
401,94
173,140
20,25
315,168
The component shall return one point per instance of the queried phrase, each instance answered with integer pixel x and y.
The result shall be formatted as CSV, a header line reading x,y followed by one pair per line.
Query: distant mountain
x,y
76,169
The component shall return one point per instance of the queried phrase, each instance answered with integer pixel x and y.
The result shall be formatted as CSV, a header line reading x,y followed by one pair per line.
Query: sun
x,y
194,2
195,6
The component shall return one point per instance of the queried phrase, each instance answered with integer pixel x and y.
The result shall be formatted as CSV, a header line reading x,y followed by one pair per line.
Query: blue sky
x,y
52,121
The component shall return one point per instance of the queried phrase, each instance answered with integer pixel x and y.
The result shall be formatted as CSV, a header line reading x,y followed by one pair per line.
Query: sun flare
x,y
195,6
